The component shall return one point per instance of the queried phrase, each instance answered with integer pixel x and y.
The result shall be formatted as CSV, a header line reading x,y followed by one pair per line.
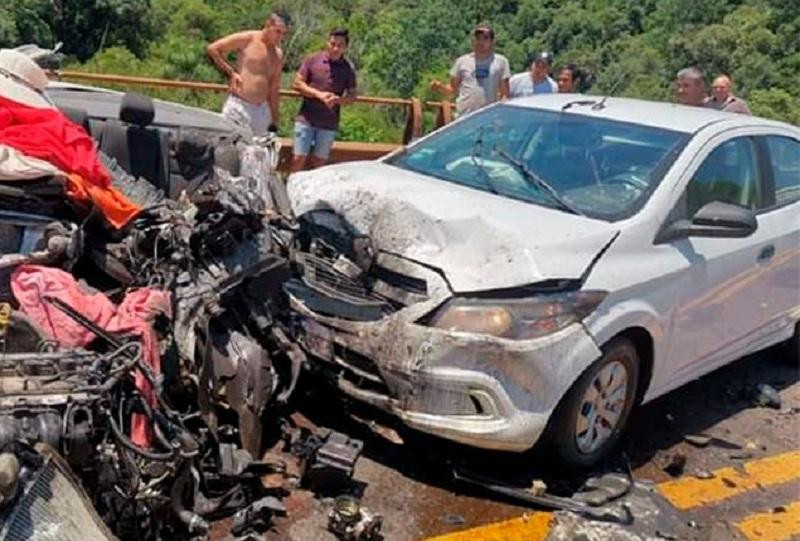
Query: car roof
x,y
671,116
104,103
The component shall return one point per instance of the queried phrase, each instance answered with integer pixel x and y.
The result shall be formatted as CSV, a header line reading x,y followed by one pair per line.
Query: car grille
x,y
320,274
336,287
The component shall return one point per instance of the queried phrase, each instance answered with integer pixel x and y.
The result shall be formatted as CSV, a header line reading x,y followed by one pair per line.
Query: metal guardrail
x,y
414,124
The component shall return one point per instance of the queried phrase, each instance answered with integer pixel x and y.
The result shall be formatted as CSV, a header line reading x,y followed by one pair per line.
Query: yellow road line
x,y
689,492
772,526
534,527
684,493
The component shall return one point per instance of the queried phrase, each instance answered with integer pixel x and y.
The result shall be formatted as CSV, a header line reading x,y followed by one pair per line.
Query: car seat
x,y
141,150
78,116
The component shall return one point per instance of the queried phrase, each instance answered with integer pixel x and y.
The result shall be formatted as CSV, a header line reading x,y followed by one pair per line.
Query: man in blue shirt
x,y
535,81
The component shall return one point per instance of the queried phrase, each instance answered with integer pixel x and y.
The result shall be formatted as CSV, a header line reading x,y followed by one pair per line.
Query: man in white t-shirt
x,y
477,78
535,81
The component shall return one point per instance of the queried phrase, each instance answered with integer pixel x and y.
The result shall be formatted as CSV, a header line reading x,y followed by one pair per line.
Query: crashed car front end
x,y
392,332
478,390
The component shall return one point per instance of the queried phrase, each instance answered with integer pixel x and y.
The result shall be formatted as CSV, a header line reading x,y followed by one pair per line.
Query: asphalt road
x,y
752,458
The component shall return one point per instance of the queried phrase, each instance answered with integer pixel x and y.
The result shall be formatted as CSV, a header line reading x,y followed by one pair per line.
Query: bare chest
x,y
258,59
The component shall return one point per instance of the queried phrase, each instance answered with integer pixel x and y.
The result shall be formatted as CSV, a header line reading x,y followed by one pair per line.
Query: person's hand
x,y
235,83
329,99
437,86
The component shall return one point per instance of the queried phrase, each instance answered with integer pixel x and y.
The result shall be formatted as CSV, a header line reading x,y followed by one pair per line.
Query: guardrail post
x,y
445,114
414,122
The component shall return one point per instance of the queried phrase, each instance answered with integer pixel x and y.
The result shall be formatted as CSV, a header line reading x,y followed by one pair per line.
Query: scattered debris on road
x,y
765,396
673,463
701,473
351,521
698,440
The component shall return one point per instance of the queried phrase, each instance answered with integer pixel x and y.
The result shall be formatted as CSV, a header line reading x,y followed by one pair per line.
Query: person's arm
x,y
275,90
307,91
505,89
505,76
450,89
218,52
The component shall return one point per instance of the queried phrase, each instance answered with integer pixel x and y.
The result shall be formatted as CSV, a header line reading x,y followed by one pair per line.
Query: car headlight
x,y
518,319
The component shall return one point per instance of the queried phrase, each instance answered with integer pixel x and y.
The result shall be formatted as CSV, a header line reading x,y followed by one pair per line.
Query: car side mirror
x,y
715,219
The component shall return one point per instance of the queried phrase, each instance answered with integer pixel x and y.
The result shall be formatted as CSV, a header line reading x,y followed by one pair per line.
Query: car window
x,y
602,168
784,154
729,174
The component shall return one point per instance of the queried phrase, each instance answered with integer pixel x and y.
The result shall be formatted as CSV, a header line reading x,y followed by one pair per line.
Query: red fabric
x,y
31,283
49,135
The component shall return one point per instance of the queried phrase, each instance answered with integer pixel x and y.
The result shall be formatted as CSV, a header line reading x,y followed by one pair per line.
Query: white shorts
x,y
243,113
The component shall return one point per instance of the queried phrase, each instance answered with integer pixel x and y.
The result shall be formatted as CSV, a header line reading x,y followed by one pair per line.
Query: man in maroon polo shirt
x,y
326,80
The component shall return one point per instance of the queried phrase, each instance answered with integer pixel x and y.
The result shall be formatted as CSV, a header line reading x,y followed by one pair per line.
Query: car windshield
x,y
585,165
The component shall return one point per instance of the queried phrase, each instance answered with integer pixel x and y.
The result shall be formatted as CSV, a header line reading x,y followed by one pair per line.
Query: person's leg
x,y
260,118
303,138
235,110
323,141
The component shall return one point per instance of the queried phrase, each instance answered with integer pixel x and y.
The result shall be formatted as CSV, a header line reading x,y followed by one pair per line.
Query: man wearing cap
x,y
722,97
478,78
535,81
254,84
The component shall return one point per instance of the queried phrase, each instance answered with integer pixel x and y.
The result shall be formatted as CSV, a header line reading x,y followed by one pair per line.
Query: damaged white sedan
x,y
541,266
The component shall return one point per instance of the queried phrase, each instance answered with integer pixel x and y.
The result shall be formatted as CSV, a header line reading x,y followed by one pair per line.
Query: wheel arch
x,y
643,342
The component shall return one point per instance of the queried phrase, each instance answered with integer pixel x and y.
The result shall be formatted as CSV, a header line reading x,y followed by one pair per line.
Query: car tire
x,y
579,436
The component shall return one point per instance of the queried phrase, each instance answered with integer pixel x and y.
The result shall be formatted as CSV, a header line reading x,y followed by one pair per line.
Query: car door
x,y
782,216
722,298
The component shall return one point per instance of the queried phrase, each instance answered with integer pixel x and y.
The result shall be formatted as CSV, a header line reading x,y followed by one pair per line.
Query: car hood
x,y
480,241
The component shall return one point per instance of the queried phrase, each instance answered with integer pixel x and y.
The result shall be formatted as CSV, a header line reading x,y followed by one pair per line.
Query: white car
x,y
539,267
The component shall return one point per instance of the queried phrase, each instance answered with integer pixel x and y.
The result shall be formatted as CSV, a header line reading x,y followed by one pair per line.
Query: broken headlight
x,y
517,319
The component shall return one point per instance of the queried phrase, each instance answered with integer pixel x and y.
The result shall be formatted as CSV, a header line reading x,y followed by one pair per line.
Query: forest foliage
x,y
631,47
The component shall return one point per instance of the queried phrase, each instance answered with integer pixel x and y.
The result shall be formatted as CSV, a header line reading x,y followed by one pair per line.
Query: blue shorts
x,y
307,136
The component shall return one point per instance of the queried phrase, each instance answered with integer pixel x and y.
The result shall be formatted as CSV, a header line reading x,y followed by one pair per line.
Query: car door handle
x,y
766,253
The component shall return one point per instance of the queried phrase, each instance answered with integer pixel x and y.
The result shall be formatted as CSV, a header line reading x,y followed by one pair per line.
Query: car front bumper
x,y
478,390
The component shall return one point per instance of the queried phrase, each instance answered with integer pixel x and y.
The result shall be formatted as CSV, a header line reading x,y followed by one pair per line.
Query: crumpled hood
x,y
480,241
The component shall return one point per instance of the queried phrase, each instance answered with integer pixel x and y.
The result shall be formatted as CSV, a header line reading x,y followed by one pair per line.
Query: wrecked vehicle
x,y
144,333
537,268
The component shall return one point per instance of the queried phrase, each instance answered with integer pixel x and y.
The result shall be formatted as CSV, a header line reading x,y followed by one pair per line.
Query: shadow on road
x,y
700,405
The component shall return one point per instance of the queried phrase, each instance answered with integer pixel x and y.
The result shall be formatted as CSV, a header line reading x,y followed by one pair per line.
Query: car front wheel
x,y
592,415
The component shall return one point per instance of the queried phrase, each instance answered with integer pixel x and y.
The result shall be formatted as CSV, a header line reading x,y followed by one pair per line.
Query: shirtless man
x,y
254,83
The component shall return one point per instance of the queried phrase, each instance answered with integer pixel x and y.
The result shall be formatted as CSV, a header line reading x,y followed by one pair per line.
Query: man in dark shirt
x,y
326,80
